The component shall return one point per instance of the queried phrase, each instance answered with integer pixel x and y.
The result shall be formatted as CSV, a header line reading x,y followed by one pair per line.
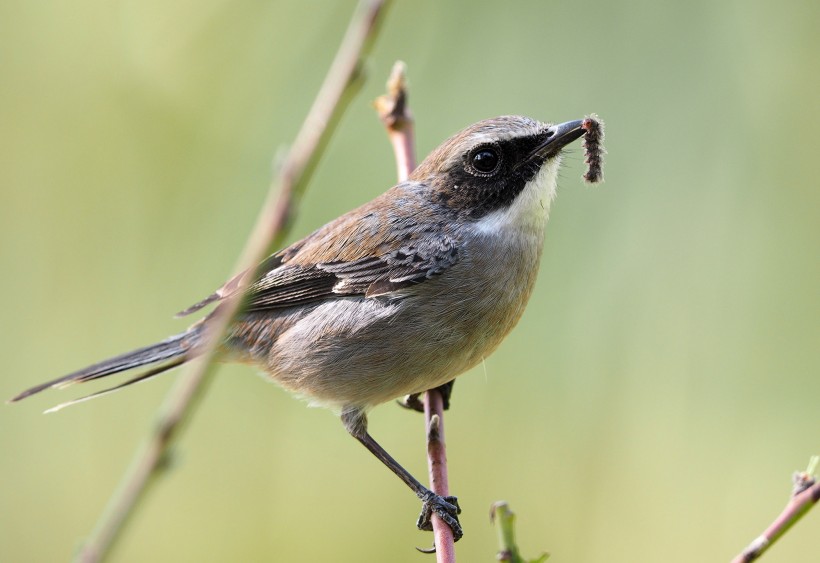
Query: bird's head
x,y
503,168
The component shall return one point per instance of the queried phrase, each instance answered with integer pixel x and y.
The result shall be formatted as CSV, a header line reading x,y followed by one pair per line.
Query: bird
x,y
396,297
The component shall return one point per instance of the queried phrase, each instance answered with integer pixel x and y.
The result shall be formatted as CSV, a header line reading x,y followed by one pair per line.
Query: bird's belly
x,y
359,352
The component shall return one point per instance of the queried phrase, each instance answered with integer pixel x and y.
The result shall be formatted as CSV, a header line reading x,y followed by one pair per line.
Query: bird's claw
x,y
446,508
428,550
413,401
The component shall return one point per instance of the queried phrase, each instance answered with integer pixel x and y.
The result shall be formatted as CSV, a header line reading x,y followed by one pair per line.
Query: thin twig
x,y
437,470
805,495
500,512
395,114
290,181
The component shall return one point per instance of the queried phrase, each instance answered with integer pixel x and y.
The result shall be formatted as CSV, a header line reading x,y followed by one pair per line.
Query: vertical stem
x,y
395,114
437,469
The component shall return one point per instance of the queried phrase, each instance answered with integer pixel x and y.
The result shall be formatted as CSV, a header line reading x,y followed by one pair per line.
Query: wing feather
x,y
374,250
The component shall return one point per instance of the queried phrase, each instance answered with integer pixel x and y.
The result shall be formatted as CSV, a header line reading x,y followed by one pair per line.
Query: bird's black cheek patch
x,y
470,195
475,197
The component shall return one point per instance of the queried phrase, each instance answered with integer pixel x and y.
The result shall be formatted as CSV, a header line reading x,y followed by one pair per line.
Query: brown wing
x,y
373,250
370,276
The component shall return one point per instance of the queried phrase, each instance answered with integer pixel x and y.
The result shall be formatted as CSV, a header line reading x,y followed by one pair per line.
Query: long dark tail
x,y
174,351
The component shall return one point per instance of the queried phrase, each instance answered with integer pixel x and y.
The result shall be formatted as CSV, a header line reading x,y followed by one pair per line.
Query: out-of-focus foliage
x,y
652,403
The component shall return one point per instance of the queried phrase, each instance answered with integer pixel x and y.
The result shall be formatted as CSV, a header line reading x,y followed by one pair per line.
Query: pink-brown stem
x,y
807,496
437,470
395,114
398,121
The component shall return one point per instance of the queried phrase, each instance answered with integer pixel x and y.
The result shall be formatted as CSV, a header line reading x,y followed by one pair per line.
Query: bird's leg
x,y
413,401
446,508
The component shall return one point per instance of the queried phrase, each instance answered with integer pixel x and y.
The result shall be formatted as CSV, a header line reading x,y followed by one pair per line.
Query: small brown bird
x,y
398,296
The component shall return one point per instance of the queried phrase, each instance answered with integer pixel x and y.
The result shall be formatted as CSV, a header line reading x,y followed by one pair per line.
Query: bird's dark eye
x,y
485,160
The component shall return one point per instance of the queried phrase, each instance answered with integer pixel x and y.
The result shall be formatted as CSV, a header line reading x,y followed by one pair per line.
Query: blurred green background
x,y
652,403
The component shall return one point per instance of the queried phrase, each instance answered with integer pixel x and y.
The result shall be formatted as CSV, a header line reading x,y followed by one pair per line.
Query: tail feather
x,y
174,348
141,377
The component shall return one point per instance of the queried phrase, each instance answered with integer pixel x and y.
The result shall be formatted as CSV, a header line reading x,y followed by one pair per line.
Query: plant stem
x,y
805,495
395,114
286,188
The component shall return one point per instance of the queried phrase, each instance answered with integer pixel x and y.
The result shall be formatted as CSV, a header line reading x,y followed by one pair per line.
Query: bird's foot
x,y
414,402
445,508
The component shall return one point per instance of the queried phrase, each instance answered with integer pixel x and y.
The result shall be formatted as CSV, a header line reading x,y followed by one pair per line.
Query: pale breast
x,y
362,352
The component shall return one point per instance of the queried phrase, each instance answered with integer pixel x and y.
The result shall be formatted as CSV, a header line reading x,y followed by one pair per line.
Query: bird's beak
x,y
558,136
